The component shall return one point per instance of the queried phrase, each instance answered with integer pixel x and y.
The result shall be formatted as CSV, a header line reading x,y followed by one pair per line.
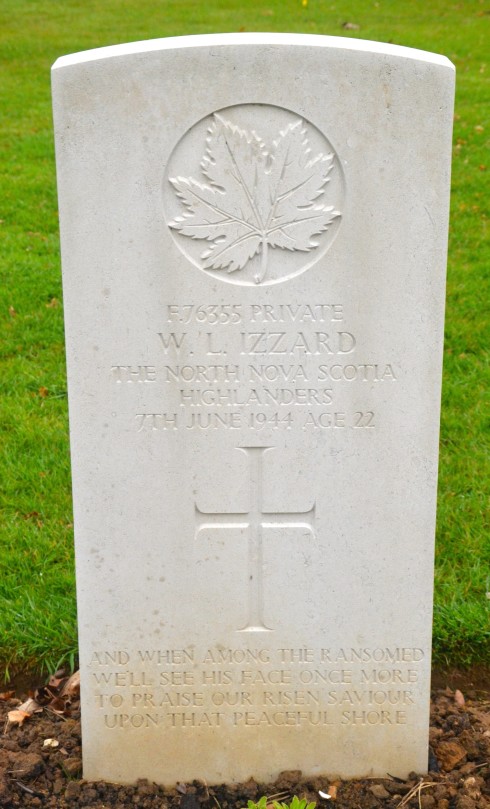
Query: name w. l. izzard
x,y
273,343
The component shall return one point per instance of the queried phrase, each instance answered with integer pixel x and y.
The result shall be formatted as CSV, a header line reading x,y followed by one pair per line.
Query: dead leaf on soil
x,y
72,686
30,706
57,679
57,697
16,717
59,706
6,695
43,695
59,694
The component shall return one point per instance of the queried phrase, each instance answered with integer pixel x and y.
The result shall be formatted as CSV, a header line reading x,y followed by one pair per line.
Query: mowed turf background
x,y
37,588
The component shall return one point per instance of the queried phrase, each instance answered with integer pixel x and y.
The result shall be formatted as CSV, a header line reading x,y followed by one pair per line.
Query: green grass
x,y
37,599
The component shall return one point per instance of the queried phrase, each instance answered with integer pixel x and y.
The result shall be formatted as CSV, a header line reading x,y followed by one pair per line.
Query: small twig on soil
x,y
417,790
55,713
29,791
380,778
277,796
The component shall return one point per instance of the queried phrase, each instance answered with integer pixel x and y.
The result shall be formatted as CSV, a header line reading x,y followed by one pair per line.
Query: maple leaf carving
x,y
254,197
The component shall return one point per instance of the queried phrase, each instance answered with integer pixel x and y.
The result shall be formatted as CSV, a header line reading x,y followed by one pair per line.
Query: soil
x,y
35,772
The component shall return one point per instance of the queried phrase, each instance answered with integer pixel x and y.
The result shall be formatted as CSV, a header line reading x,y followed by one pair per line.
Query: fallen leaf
x,y
72,686
351,26
12,311
44,695
54,302
60,706
17,717
30,706
31,515
43,392
57,679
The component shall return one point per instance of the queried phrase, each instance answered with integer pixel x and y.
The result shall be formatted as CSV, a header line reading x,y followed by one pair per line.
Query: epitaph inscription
x,y
266,687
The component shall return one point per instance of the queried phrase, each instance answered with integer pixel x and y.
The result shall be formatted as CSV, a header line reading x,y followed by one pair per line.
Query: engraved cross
x,y
255,520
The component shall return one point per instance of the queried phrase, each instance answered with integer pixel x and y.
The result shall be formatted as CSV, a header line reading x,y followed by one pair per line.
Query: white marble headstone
x,y
254,235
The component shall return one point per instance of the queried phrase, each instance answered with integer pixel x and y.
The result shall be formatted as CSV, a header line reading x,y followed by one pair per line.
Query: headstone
x,y
254,235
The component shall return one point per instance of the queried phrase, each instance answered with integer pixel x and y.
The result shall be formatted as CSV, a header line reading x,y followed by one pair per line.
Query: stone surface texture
x,y
254,233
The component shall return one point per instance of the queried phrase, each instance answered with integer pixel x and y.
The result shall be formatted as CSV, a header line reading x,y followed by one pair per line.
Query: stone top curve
x,y
247,39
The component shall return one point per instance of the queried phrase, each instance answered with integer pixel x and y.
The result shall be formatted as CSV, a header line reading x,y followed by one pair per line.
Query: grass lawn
x,y
37,595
